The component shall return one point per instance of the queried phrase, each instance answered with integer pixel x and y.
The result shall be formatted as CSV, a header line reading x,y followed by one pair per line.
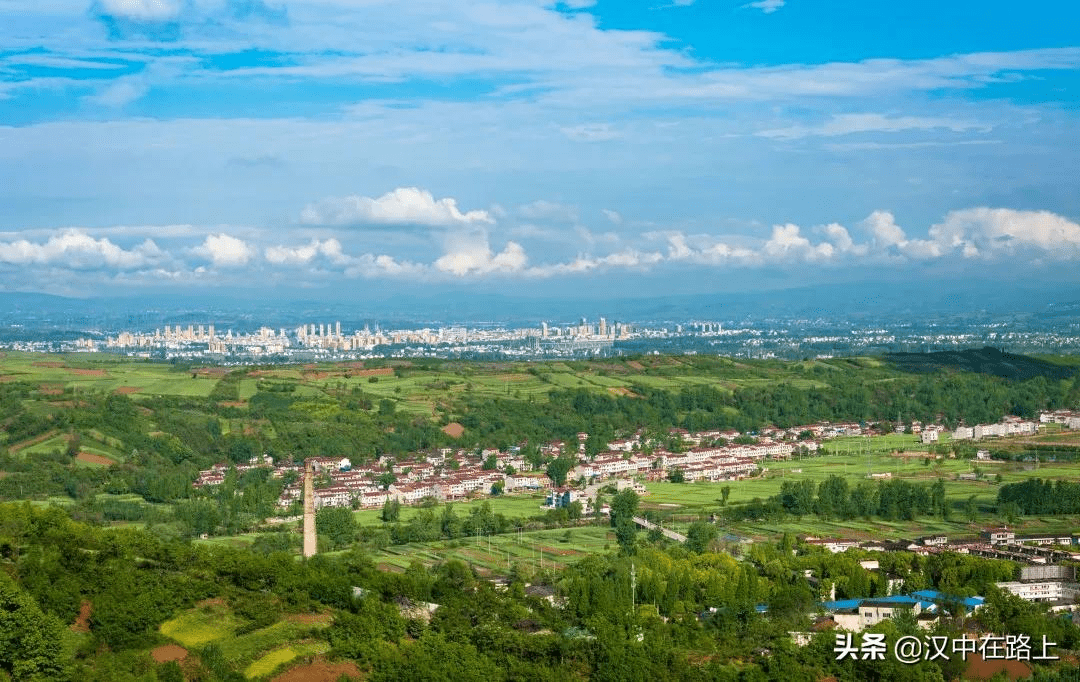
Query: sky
x,y
329,147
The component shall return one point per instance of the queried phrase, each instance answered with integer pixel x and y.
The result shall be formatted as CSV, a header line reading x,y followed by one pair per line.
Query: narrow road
x,y
670,534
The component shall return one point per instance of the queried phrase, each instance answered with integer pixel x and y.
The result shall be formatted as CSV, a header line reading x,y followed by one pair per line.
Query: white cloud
x,y
142,10
222,249
301,255
882,226
613,216
77,250
787,242
371,265
549,210
119,93
472,255
989,231
403,206
628,259
847,124
841,239
766,6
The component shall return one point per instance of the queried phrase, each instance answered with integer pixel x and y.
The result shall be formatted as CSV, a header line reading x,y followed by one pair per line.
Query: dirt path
x,y
32,441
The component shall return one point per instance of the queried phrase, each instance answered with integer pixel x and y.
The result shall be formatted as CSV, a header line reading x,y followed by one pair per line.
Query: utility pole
x,y
633,587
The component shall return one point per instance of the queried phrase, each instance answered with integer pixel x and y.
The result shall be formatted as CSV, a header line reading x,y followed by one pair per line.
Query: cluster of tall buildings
x,y
327,338
587,330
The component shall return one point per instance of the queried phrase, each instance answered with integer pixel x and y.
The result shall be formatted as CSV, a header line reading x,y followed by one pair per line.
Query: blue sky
x,y
511,145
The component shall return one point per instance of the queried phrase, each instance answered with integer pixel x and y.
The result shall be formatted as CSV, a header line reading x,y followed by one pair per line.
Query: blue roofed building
x,y
856,615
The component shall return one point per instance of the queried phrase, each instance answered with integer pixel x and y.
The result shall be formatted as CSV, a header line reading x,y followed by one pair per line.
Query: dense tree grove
x,y
663,613
834,498
1036,496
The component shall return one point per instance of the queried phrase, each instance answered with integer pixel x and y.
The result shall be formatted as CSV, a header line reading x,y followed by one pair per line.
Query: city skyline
x,y
618,148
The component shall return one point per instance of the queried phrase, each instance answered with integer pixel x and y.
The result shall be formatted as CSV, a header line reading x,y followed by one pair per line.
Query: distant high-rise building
x,y
337,329
544,329
603,327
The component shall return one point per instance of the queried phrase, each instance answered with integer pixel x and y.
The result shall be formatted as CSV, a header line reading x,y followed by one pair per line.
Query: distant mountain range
x,y
407,305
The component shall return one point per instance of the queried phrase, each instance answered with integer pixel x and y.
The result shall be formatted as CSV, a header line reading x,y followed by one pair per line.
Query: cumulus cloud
x,y
986,233
787,242
472,255
1003,230
403,206
141,10
222,249
841,239
301,255
77,250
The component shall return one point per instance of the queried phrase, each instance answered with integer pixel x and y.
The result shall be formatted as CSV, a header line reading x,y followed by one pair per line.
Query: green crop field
x,y
270,662
201,625
215,622
511,506
498,553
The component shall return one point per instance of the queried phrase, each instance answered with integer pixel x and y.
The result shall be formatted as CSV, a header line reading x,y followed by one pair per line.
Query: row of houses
x,y
1069,418
1009,426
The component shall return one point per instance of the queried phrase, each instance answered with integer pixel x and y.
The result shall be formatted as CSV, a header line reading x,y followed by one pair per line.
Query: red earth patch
x,y
319,672
169,652
82,621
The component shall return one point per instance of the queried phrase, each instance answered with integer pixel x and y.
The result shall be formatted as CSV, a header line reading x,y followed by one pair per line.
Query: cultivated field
x,y
260,652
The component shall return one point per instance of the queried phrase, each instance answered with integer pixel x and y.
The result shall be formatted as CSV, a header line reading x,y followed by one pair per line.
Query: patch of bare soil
x,y
635,364
622,390
978,669
169,652
52,364
91,458
380,372
453,429
51,389
87,372
319,672
82,621
127,390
